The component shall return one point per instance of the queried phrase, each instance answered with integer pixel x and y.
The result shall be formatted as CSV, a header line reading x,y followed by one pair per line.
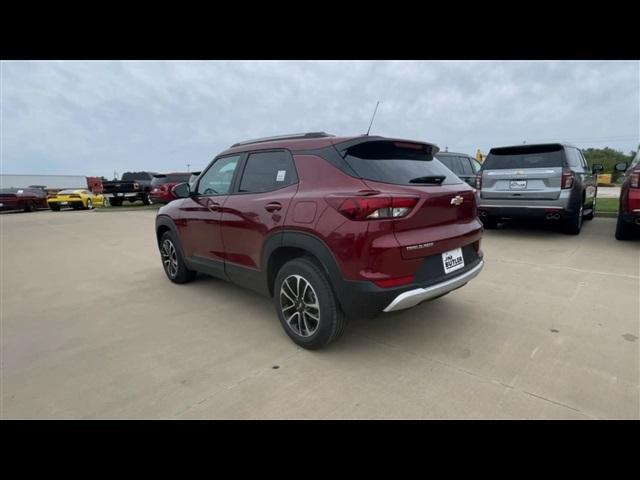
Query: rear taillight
x,y
374,207
634,180
567,178
478,181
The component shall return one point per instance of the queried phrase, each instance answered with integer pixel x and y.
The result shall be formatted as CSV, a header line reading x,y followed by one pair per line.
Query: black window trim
x,y
234,179
243,164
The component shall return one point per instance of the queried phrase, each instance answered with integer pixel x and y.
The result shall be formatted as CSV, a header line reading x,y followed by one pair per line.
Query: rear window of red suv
x,y
171,178
399,163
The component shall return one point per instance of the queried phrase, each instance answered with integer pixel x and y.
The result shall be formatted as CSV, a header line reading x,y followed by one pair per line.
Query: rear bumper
x,y
414,297
366,300
519,211
632,217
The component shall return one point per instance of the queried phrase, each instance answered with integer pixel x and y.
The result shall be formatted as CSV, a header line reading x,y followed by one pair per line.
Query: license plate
x,y
518,184
119,194
452,260
64,203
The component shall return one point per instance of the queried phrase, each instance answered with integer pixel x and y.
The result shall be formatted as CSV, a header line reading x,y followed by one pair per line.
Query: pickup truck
x,y
131,187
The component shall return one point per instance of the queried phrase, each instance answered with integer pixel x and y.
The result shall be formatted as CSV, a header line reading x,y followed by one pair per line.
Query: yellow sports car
x,y
76,199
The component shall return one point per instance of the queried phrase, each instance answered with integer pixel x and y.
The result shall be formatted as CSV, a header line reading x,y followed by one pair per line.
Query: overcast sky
x,y
91,118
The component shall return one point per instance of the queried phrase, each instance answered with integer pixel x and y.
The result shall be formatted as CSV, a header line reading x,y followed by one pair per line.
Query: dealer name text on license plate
x,y
452,260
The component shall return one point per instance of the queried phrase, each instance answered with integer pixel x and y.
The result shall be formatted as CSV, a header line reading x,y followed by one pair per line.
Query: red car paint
x,y
162,186
26,199
233,229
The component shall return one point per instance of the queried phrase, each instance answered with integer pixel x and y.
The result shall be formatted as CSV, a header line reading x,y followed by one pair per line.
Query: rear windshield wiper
x,y
432,179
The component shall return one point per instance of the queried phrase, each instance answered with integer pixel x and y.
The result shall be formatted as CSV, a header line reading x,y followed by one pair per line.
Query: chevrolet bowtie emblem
x,y
457,200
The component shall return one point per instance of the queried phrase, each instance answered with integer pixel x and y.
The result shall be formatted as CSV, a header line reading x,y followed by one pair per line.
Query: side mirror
x,y
597,168
621,167
181,190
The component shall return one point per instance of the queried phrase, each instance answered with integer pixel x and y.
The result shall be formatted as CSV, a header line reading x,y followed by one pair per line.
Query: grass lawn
x,y
607,205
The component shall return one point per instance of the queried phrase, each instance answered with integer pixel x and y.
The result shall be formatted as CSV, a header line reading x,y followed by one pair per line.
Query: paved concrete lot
x,y
91,328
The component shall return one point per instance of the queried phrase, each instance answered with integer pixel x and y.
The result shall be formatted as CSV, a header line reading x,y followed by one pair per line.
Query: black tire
x,y
174,266
29,207
573,223
55,207
331,320
490,223
624,230
592,213
116,202
145,198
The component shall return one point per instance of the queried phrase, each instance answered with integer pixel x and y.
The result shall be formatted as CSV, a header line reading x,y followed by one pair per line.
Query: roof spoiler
x,y
429,148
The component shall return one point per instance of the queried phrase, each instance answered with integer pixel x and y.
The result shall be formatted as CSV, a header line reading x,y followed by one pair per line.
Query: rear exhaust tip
x,y
483,213
638,221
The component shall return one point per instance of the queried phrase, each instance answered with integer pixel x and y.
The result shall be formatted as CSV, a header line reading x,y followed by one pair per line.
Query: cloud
x,y
91,117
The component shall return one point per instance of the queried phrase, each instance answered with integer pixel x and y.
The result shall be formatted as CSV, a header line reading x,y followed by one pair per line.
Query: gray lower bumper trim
x,y
413,297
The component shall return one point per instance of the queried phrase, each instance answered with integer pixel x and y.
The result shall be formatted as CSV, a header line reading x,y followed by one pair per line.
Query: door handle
x,y
272,207
213,206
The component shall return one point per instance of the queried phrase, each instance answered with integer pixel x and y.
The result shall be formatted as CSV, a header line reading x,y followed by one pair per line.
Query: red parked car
x,y
163,183
629,208
328,226
26,199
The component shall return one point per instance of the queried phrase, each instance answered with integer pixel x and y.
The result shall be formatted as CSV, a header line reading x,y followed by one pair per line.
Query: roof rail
x,y
284,137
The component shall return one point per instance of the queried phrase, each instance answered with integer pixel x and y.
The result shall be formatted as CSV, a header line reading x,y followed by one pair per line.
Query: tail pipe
x,y
553,216
637,220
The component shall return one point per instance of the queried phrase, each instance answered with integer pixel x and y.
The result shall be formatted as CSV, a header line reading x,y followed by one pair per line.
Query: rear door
x,y
523,173
256,209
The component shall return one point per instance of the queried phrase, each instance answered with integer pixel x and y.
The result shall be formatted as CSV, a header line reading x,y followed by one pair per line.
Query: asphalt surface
x,y
91,328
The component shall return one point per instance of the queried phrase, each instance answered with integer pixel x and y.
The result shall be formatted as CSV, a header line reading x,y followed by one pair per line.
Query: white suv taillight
x,y
567,178
478,181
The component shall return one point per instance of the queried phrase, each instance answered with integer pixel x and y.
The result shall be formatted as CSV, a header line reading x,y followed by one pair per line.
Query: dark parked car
x,y
464,166
629,209
548,181
27,199
133,186
328,226
162,184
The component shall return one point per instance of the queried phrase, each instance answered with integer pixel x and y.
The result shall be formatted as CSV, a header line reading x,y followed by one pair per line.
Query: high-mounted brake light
x,y
374,207
567,178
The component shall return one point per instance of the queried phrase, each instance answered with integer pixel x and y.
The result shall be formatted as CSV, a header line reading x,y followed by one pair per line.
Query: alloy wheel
x,y
170,258
299,304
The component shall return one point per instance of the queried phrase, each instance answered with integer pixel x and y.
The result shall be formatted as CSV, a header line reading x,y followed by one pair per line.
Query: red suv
x,y
328,226
163,183
629,208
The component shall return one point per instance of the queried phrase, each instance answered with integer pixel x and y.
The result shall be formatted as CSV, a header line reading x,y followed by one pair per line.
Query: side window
x,y
466,166
449,162
573,158
217,180
585,165
266,171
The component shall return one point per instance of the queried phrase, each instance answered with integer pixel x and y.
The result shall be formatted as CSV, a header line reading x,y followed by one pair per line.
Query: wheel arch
x,y
288,245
